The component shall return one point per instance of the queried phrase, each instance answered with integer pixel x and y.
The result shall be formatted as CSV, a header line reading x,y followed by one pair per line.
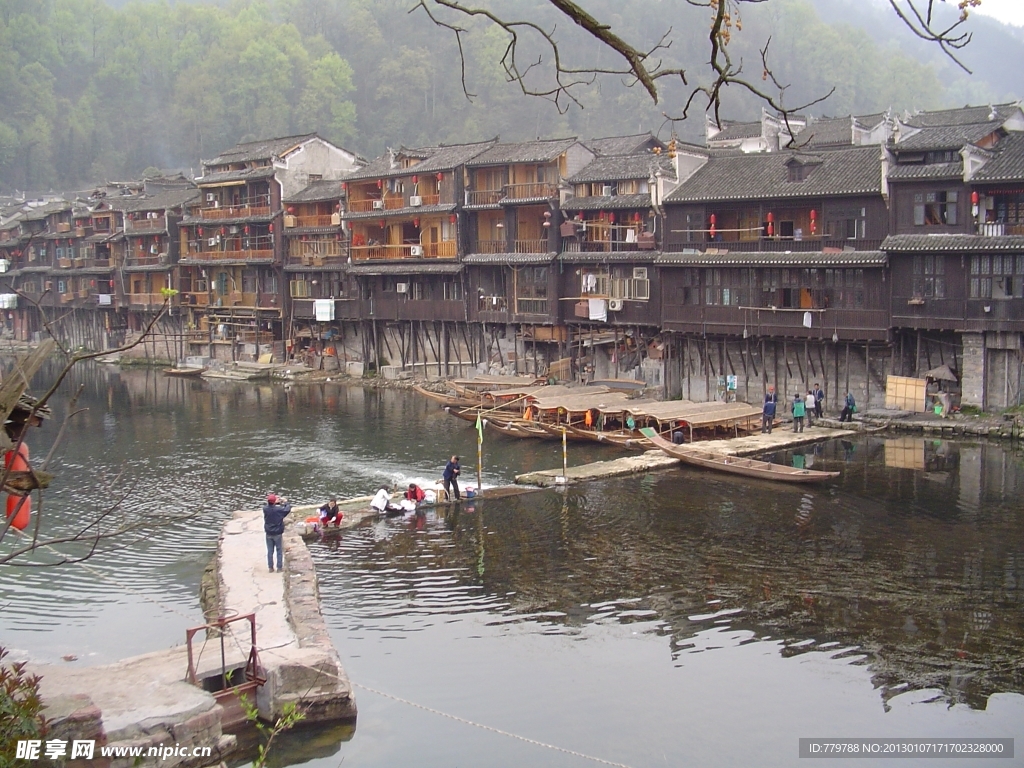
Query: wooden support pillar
x,y
867,374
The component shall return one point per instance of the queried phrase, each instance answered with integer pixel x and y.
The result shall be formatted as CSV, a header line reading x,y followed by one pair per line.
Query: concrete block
x,y
354,369
391,372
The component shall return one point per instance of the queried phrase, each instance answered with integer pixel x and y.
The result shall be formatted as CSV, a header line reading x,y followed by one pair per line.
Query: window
x,y
249,281
453,291
688,292
416,292
933,209
270,283
298,289
316,177
532,289
929,277
992,277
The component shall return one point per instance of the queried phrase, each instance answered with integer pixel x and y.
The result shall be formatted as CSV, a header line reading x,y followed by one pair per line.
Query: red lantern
x,y
111,283
602,216
611,217
771,225
271,229
440,176
714,219
415,179
383,223
453,218
223,230
416,222
200,231
636,216
770,217
814,214
974,198
247,229
344,185
380,183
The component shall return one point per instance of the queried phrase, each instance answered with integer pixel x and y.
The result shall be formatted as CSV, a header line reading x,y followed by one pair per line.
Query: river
x,y
676,618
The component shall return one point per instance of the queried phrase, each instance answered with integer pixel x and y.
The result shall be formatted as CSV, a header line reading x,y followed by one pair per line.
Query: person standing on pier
x,y
819,400
799,410
275,511
768,412
809,405
451,477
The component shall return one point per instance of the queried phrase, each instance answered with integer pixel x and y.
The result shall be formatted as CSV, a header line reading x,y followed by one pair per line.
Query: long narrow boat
x,y
438,396
190,371
519,428
621,438
735,464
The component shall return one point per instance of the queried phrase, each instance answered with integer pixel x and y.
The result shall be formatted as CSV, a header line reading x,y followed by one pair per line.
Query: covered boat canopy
x,y
605,402
695,415
485,383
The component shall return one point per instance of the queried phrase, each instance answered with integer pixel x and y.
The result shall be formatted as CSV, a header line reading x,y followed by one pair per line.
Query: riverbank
x,y
145,702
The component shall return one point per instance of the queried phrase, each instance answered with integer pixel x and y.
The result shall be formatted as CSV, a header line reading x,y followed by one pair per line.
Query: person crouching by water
x,y
799,411
382,503
451,477
415,493
330,514
275,511
768,412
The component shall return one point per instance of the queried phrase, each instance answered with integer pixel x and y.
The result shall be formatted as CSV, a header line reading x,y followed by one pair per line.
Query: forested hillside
x,y
90,92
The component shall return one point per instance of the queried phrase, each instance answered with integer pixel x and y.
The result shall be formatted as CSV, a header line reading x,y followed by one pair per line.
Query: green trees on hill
x,y
91,92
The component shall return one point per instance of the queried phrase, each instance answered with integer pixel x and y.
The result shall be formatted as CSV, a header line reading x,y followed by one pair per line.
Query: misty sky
x,y
1007,11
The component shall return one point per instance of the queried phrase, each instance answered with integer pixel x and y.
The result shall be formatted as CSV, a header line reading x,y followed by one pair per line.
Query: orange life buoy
x,y
18,462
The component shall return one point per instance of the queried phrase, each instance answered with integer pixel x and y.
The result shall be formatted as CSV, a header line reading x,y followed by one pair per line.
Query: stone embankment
x,y
146,702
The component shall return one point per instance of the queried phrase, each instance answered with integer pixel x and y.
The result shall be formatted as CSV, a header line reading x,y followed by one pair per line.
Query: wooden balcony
x,y
484,196
531,246
527,191
363,206
195,299
213,256
492,304
532,306
848,324
776,245
148,260
1000,229
572,245
406,309
145,225
316,248
234,211
489,246
145,300
429,199
330,220
445,250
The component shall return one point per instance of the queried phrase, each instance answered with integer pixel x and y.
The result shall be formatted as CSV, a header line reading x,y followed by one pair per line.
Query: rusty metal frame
x,y
254,673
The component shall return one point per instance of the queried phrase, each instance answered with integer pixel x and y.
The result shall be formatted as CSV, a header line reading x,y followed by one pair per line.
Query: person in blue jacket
x,y
768,411
451,477
275,511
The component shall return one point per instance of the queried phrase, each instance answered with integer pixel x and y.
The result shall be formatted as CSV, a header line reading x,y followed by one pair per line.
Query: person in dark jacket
x,y
768,412
451,477
819,400
275,511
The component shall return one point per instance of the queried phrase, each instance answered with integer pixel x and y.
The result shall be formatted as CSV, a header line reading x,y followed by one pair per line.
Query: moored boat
x,y
187,371
736,465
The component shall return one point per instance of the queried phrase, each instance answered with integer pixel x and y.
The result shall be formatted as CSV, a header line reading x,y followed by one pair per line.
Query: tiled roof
x,y
540,151
416,268
642,200
249,174
962,115
737,131
615,168
318,191
829,131
586,257
162,201
853,171
391,212
432,159
41,212
775,258
932,171
264,149
623,145
1007,163
930,243
947,136
508,258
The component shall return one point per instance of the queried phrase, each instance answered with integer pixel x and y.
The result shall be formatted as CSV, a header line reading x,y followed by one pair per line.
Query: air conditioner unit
x,y
216,203
378,205
416,250
614,305
415,201
639,273
211,242
606,190
402,287
210,197
233,230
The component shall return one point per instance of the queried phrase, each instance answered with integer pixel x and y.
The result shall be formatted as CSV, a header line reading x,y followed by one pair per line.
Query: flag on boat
x,y
479,428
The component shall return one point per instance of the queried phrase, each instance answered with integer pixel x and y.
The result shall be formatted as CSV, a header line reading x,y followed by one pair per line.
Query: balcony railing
x,y
234,211
848,324
775,245
364,206
430,199
445,250
195,299
1000,229
492,304
484,196
249,255
531,246
316,248
145,225
572,245
532,306
148,261
330,220
530,190
490,246
145,299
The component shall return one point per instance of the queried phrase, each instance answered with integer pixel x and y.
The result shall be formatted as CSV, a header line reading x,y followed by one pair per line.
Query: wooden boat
x,y
520,428
736,465
620,438
184,371
438,396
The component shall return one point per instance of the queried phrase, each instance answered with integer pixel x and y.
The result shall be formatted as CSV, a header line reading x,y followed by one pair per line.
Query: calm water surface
x,y
675,619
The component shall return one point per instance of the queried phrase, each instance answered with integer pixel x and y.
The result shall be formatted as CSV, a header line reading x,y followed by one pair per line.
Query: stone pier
x,y
146,702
